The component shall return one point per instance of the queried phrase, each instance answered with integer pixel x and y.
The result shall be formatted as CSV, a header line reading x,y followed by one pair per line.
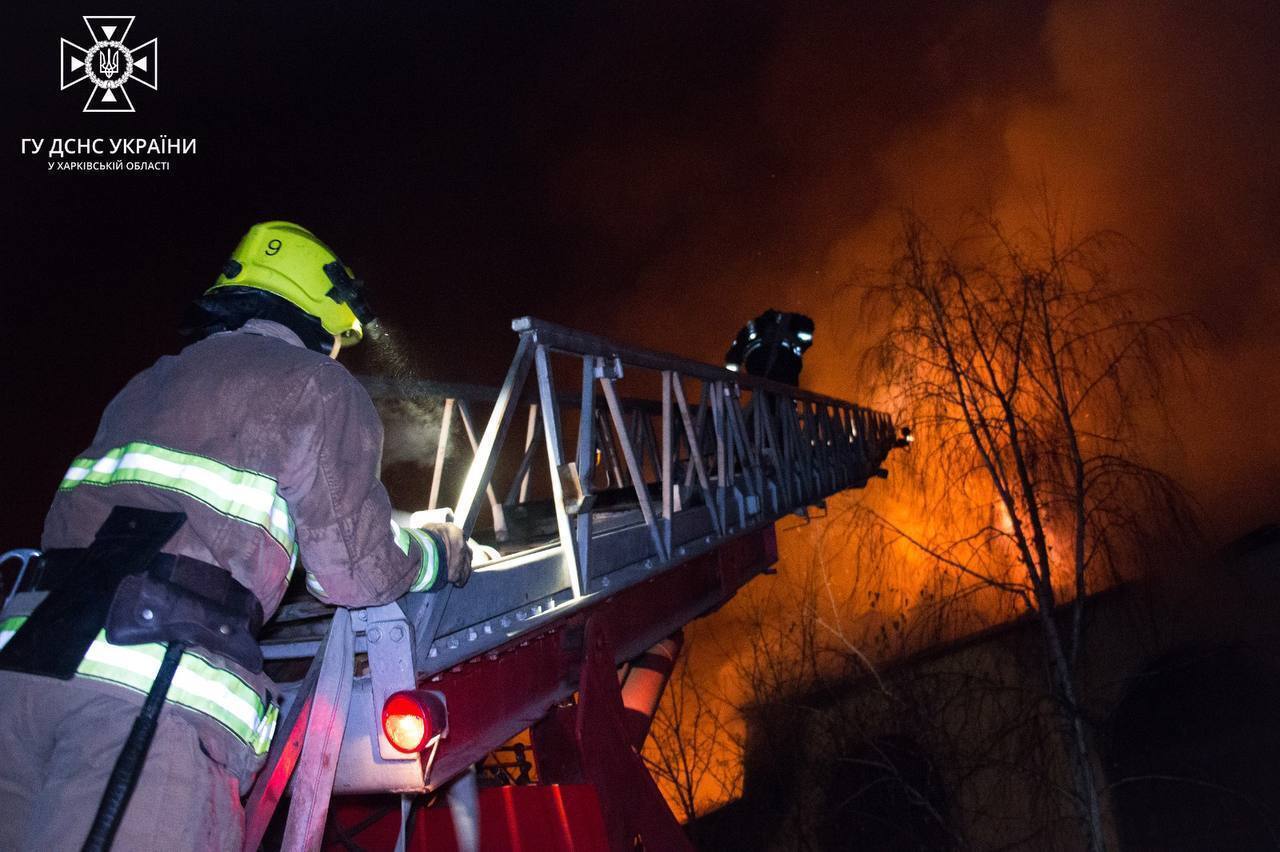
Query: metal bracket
x,y
390,646
609,368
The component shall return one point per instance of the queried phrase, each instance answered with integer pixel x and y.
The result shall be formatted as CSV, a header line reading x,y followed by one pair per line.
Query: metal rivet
x,y
224,629
397,633
375,634
147,614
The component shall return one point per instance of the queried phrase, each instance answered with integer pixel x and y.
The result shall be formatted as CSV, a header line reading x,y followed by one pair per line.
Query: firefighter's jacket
x,y
272,451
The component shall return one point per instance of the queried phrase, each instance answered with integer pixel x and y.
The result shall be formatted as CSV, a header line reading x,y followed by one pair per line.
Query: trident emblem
x,y
109,63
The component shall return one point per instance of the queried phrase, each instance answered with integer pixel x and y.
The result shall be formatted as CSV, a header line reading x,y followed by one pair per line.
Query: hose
x,y
128,768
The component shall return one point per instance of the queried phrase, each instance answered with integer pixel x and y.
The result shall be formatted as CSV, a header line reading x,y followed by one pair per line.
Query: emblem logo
x,y
108,64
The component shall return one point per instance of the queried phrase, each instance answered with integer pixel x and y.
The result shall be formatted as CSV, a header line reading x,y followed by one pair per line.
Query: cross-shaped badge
x,y
108,64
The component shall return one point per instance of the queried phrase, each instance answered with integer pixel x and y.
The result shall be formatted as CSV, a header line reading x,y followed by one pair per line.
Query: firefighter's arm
x,y
354,553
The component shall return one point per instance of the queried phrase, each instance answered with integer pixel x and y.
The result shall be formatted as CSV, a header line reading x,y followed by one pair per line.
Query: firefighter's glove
x,y
456,555
482,553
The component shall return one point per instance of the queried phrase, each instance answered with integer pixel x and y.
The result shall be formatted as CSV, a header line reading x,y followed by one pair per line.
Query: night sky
x,y
658,172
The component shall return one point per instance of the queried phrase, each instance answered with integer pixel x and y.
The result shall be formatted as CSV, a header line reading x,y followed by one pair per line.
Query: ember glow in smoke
x,y
1149,119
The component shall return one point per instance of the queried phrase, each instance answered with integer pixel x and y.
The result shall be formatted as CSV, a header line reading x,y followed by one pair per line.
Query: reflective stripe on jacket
x,y
239,494
198,684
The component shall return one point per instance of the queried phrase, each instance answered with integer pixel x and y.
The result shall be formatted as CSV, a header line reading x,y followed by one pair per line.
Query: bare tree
x,y
690,750
1032,381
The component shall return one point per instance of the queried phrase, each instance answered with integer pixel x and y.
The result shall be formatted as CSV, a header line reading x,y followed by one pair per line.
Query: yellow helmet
x,y
291,262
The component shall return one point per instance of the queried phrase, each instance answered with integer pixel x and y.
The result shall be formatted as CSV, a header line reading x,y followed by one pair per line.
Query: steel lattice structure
x,y
669,463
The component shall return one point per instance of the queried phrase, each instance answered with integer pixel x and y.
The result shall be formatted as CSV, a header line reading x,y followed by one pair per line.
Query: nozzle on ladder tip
x,y
374,331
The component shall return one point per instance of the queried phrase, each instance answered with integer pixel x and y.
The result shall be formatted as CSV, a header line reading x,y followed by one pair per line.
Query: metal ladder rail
x,y
825,447
597,553
807,461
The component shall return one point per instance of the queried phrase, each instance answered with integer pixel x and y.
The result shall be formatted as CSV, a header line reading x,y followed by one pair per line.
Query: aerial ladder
x,y
623,502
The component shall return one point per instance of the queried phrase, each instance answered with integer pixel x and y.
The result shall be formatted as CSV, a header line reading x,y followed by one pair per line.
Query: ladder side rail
x,y
738,470
861,433
575,342
698,462
706,425
442,452
786,450
755,421
467,506
732,491
666,471
814,447
468,426
586,460
830,463
799,458
855,448
781,465
633,465
519,490
846,445
782,411
842,435
747,456
715,397
766,447
555,462
696,429
807,466
819,444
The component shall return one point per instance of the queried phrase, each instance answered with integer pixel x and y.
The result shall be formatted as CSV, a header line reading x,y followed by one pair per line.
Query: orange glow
x,y
1124,130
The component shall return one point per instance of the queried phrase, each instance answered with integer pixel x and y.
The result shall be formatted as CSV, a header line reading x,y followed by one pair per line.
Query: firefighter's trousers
x,y
58,743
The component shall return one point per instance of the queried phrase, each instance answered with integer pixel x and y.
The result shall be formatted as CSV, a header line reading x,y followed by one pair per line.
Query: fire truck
x,y
622,494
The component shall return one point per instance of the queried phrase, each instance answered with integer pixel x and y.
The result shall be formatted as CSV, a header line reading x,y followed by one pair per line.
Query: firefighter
x,y
212,474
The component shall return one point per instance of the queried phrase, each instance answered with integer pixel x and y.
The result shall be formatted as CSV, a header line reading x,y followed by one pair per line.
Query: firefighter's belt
x,y
122,583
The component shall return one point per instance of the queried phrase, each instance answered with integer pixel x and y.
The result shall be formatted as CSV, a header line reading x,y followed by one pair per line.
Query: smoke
x,y
764,162
411,421
776,179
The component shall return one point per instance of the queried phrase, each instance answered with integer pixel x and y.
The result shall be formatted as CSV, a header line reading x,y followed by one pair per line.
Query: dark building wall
x,y
957,748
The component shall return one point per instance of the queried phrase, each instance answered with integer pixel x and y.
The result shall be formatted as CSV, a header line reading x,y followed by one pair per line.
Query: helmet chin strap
x,y
337,346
